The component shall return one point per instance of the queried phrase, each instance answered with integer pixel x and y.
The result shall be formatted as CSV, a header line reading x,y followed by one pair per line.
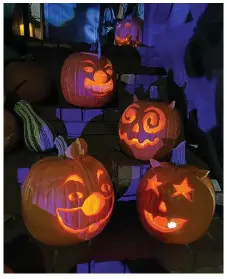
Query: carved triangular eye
x,y
153,184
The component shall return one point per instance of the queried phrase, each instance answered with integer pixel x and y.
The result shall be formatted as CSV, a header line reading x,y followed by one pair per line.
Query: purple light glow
x,y
103,267
21,175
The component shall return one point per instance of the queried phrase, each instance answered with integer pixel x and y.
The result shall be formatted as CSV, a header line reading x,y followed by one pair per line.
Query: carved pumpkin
x,y
26,80
11,130
66,201
129,32
87,81
149,129
176,204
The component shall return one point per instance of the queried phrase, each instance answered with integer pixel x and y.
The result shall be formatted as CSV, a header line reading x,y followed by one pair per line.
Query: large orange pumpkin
x,y
11,130
129,32
66,201
87,81
176,204
26,80
149,129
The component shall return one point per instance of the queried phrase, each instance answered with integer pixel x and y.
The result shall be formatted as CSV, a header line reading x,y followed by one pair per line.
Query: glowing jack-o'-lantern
x,y
129,32
175,204
66,201
149,129
87,81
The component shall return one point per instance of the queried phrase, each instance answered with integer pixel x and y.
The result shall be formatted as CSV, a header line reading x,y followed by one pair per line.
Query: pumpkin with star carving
x,y
67,201
88,81
149,129
175,203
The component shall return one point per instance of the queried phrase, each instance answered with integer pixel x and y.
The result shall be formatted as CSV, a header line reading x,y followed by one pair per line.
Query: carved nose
x,y
162,207
100,76
93,204
136,128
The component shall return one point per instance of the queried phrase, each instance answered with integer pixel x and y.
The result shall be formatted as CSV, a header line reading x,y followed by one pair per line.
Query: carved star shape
x,y
183,189
153,184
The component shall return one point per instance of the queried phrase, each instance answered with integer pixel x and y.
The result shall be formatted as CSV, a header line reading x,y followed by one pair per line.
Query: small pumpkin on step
x,y
39,136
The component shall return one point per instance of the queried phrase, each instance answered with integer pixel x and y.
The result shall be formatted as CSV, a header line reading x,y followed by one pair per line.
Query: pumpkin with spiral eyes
x,y
176,204
67,201
87,81
149,129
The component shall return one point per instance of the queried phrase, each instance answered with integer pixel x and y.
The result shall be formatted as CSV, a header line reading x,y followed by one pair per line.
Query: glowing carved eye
x,y
154,120
153,184
183,189
75,178
109,72
74,196
88,69
129,116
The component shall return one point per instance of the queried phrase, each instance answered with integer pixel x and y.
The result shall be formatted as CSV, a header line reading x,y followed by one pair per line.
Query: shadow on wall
x,y
196,62
72,22
204,67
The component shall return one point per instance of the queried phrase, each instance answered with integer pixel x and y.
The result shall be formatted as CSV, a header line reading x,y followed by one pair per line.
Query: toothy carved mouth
x,y
99,90
162,224
134,141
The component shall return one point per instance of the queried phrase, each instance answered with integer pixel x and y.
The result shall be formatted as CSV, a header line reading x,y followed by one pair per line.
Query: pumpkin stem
x,y
172,105
61,145
154,163
178,154
78,149
135,99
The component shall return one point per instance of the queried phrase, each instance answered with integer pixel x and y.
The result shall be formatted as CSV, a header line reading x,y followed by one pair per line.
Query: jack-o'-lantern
x,y
26,80
11,131
87,81
149,129
129,32
175,204
67,201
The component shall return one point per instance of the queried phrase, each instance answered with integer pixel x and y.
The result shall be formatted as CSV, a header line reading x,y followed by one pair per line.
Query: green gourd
x,y
39,136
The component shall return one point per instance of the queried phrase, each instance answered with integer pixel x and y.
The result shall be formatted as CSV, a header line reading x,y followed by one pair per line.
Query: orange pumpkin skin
x,y
11,130
87,81
176,204
67,201
129,32
149,130
26,80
